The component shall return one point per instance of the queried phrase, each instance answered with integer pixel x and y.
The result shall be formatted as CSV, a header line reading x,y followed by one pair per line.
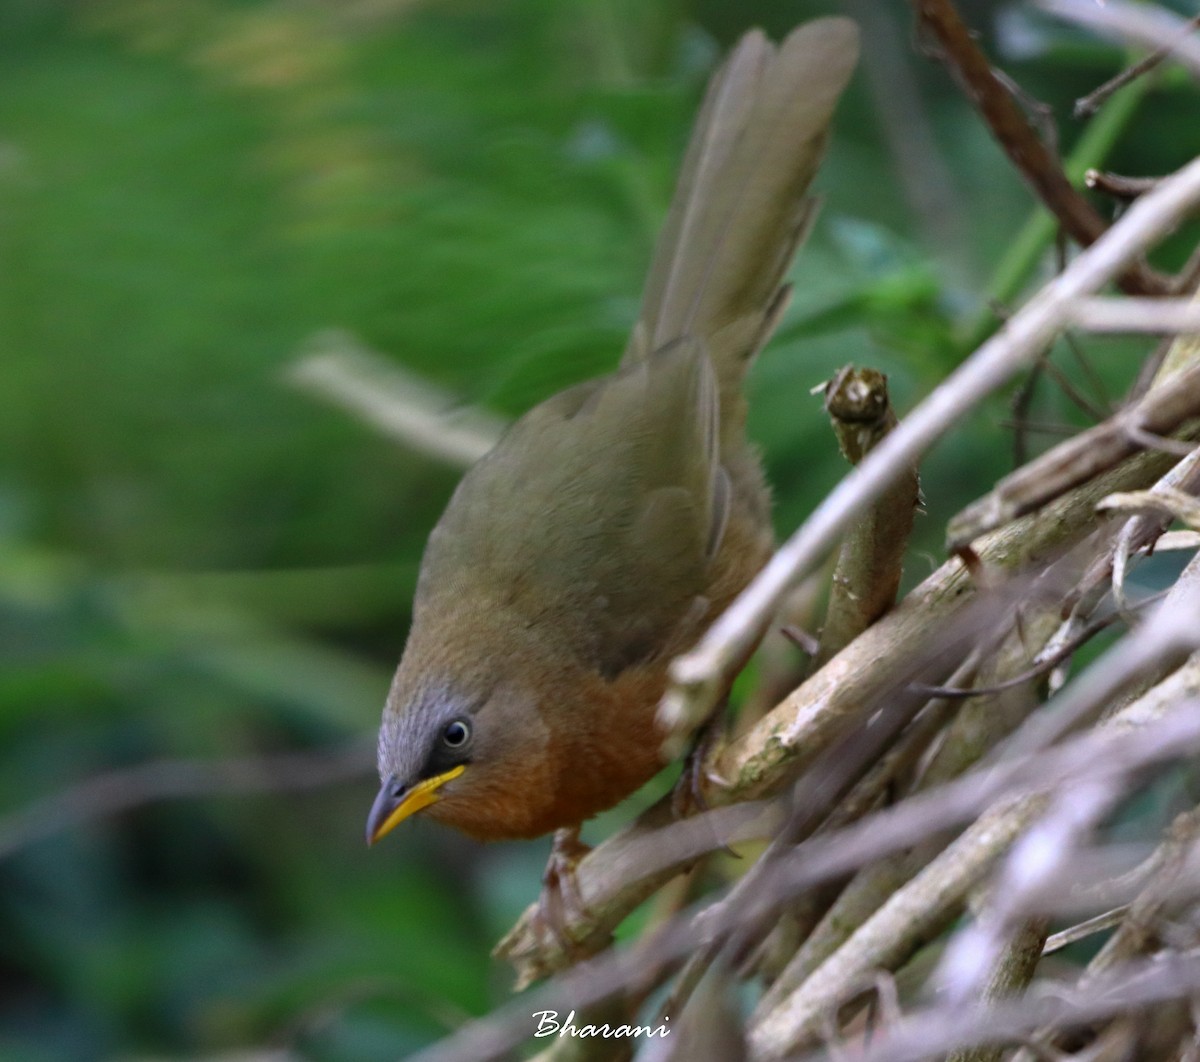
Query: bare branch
x,y
122,790
1152,316
1118,186
867,574
339,369
1174,503
1100,923
1011,974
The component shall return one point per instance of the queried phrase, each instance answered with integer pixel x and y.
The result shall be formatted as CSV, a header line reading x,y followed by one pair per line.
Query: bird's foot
x,y
561,902
687,798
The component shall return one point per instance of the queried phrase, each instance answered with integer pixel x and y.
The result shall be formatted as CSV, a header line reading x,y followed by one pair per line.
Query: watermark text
x,y
549,1025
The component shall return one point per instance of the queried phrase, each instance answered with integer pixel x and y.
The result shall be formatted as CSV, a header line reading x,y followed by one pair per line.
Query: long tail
x,y
740,208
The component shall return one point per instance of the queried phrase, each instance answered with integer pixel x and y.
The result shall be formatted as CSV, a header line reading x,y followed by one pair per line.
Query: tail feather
x,y
740,208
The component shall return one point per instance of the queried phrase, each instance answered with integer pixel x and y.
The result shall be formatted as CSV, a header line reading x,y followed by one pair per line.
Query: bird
x,y
615,520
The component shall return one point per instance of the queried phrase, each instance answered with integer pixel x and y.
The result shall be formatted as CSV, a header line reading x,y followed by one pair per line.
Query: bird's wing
x,y
598,512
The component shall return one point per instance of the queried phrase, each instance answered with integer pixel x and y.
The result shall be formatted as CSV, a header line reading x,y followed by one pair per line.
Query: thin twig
x,y
1117,186
123,790
1089,370
1043,665
1143,531
1160,411
1019,405
1068,388
1158,645
1064,938
1041,427
1150,25
1033,159
1174,503
339,369
1091,103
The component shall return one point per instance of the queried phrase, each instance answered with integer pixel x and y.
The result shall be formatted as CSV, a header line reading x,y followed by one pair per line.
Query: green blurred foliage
x,y
197,561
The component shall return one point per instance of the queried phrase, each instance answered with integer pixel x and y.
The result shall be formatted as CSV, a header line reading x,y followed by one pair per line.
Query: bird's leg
x,y
687,798
561,901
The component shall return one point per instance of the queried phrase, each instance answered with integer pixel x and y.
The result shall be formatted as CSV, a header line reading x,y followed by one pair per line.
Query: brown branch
x,y
1126,189
1035,162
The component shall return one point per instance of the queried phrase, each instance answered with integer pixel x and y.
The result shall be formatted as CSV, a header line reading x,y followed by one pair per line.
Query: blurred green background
x,y
200,563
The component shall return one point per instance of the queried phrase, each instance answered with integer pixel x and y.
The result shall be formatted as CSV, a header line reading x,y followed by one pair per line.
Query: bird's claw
x,y
687,798
561,903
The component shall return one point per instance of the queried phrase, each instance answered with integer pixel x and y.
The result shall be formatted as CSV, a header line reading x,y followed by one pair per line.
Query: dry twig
x,y
123,790
1153,316
1161,411
339,369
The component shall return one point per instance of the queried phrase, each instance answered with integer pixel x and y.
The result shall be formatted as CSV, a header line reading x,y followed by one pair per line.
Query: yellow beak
x,y
394,804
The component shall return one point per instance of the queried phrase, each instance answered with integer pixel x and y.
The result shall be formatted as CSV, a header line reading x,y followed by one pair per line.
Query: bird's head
x,y
420,754
471,753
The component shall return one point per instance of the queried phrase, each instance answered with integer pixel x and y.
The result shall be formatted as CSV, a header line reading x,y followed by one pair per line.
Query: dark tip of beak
x,y
390,795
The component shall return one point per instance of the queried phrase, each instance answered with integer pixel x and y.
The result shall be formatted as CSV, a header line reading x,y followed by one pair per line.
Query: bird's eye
x,y
456,734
